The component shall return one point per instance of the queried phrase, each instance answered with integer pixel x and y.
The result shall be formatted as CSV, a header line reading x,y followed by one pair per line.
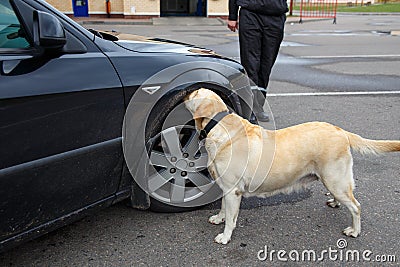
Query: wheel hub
x,y
182,164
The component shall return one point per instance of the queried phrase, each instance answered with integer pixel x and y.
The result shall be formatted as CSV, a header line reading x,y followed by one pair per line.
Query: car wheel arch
x,y
139,197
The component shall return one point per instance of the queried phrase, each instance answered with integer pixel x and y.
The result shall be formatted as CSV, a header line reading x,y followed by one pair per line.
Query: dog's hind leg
x,y
220,217
232,206
340,184
346,197
355,208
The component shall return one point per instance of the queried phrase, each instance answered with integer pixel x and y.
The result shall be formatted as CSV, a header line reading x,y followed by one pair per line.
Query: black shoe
x,y
262,116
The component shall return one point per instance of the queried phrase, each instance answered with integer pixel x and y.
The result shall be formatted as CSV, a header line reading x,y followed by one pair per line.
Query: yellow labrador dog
x,y
247,160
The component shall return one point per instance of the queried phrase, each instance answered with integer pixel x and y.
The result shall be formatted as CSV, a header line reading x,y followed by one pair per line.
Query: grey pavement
x,y
359,54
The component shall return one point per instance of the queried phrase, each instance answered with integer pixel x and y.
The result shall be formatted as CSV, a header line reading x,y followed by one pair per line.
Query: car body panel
x,y
60,135
62,114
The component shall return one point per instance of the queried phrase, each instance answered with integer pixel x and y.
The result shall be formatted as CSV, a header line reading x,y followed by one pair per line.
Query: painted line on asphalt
x,y
336,94
351,56
339,56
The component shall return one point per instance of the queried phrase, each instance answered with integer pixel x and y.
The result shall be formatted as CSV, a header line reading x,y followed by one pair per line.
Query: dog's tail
x,y
367,146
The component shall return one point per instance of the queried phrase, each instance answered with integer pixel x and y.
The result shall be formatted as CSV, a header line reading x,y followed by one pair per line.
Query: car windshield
x,y
11,33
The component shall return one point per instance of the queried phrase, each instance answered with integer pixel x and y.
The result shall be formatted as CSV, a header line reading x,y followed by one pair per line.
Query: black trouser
x,y
260,37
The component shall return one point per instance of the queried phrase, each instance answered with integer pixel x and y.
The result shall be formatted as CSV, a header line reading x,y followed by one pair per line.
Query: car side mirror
x,y
48,32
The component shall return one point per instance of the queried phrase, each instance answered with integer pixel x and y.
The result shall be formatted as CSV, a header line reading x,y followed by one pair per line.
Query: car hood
x,y
151,45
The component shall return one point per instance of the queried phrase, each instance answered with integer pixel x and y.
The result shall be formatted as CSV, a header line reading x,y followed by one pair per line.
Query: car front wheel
x,y
178,179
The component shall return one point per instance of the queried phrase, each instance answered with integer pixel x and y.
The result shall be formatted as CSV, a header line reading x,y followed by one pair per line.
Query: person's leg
x,y
272,37
250,39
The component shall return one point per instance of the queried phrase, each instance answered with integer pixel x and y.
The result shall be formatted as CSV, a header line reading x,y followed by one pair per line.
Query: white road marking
x,y
336,94
351,56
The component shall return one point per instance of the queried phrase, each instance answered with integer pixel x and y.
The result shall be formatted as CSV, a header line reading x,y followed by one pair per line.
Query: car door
x,y
61,115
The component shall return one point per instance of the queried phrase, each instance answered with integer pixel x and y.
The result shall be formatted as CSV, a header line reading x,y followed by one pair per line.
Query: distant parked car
x,y
64,92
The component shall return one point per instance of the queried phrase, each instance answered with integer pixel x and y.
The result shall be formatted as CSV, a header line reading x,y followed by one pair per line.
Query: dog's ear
x,y
199,123
191,95
190,102
204,103
203,107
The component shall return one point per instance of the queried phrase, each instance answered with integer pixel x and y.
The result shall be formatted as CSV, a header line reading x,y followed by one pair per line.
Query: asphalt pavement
x,y
347,74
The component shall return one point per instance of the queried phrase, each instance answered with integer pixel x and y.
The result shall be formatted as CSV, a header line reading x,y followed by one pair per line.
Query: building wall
x,y
149,8
96,7
99,7
63,6
141,7
133,8
217,7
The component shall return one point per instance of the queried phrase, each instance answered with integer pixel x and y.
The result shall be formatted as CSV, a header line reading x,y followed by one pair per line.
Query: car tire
x,y
192,176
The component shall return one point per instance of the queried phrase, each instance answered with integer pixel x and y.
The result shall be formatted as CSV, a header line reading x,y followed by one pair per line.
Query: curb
x,y
218,21
119,22
368,14
153,21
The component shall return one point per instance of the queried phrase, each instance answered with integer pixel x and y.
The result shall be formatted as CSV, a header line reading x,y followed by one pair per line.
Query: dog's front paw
x,y
349,231
222,239
216,219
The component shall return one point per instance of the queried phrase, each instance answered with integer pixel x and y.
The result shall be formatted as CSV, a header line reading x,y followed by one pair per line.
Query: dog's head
x,y
204,104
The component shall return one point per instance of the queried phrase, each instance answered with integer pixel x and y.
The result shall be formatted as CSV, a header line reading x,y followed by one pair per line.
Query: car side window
x,y
12,35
